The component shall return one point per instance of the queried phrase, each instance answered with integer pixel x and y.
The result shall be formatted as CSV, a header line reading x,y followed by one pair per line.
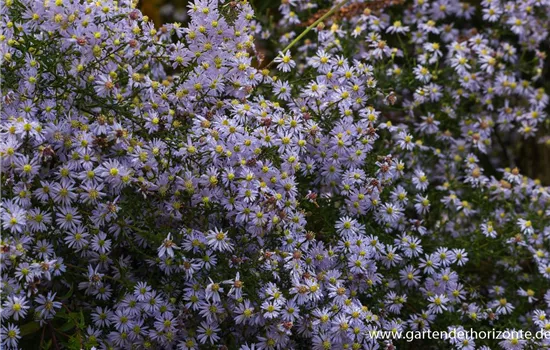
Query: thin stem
x,y
403,47
53,336
313,25
42,337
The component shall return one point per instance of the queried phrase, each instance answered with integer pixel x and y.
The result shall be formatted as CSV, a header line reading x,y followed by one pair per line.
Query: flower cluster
x,y
165,188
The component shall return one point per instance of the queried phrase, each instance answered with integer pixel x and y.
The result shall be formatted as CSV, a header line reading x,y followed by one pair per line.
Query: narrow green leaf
x,y
29,328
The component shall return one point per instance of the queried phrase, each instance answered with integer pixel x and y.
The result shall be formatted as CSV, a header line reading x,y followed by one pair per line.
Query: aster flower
x,y
207,332
104,86
15,307
420,180
282,90
10,335
526,226
47,305
14,219
285,62
502,306
331,183
438,303
422,74
347,225
167,247
219,240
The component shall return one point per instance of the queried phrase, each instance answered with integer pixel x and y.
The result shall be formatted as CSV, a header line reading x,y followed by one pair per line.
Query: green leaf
x,y
29,328
47,345
70,324
74,343
69,293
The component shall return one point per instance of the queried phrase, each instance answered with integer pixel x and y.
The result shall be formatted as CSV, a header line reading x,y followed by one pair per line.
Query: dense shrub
x,y
170,188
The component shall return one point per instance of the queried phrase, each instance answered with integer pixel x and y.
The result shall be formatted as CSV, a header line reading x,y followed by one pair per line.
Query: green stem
x,y
313,25
403,47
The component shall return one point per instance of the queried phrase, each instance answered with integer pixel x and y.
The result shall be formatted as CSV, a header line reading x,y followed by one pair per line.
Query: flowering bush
x,y
171,189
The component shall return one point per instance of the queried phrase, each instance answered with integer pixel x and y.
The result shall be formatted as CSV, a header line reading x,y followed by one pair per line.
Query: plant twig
x,y
42,337
310,27
53,336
